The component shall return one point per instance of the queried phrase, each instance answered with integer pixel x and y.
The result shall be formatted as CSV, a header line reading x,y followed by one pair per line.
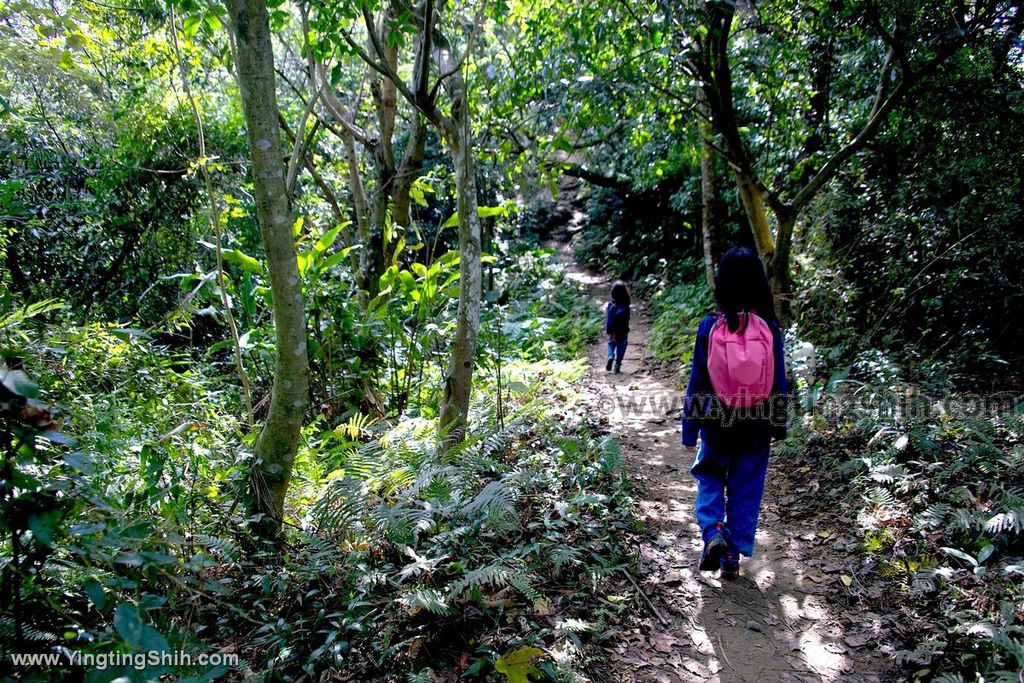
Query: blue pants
x,y
617,348
730,483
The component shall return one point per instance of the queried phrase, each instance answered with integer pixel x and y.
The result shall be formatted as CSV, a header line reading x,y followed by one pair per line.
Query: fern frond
x,y
1009,521
966,520
879,496
888,474
933,516
341,505
494,575
428,599
564,555
496,498
521,582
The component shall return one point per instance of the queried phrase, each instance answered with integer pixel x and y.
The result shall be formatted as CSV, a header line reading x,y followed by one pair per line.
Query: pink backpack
x,y
741,363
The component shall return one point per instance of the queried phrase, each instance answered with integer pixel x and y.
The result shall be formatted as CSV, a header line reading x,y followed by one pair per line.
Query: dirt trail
x,y
773,623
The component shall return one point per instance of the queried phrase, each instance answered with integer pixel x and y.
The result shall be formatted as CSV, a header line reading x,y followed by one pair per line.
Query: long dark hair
x,y
741,285
620,293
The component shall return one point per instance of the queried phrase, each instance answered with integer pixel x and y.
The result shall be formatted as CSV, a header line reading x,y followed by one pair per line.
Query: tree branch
x,y
882,78
832,166
595,177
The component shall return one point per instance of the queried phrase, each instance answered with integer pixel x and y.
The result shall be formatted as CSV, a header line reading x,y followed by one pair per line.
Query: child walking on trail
x,y
617,325
736,403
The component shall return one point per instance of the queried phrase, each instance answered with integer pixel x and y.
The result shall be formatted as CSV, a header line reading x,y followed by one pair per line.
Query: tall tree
x,y
917,42
455,127
278,441
391,180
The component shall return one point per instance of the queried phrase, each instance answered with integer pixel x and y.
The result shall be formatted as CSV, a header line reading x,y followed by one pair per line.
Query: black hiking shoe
x,y
714,548
608,365
730,566
618,367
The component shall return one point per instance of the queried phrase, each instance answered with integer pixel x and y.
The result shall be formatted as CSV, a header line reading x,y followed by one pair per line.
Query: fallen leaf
x,y
858,639
663,642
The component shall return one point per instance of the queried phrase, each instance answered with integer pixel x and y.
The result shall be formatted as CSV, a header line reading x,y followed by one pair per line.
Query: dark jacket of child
x,y
617,320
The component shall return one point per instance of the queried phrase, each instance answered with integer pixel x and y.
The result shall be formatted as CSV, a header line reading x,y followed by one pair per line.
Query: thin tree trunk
x,y
362,211
753,206
376,248
278,441
708,186
458,382
779,273
457,133
409,170
214,216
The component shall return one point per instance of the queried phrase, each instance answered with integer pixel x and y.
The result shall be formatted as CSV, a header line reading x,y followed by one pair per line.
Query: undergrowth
x,y
678,309
937,483
128,535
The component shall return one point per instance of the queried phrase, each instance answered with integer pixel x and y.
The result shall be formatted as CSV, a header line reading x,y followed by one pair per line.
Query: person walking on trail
x,y
617,325
736,403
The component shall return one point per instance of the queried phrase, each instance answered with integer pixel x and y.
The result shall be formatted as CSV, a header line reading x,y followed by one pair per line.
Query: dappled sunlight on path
x,y
773,623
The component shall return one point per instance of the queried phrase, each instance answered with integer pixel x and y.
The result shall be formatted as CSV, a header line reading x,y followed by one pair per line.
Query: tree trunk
x,y
753,206
458,382
362,215
708,185
409,170
778,268
278,441
377,246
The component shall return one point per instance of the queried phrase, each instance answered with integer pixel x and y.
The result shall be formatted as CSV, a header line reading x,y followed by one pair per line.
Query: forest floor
x,y
795,613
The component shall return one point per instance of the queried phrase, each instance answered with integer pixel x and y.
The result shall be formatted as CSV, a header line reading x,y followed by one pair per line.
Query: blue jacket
x,y
616,321
701,401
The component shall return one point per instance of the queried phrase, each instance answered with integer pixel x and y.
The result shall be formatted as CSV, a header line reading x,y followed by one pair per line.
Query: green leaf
x,y
561,142
247,263
212,23
67,62
961,555
190,25
489,211
333,260
516,665
305,262
387,277
452,221
85,529
97,596
128,624
79,461
44,525
75,41
58,438
150,640
126,333
19,383
328,238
